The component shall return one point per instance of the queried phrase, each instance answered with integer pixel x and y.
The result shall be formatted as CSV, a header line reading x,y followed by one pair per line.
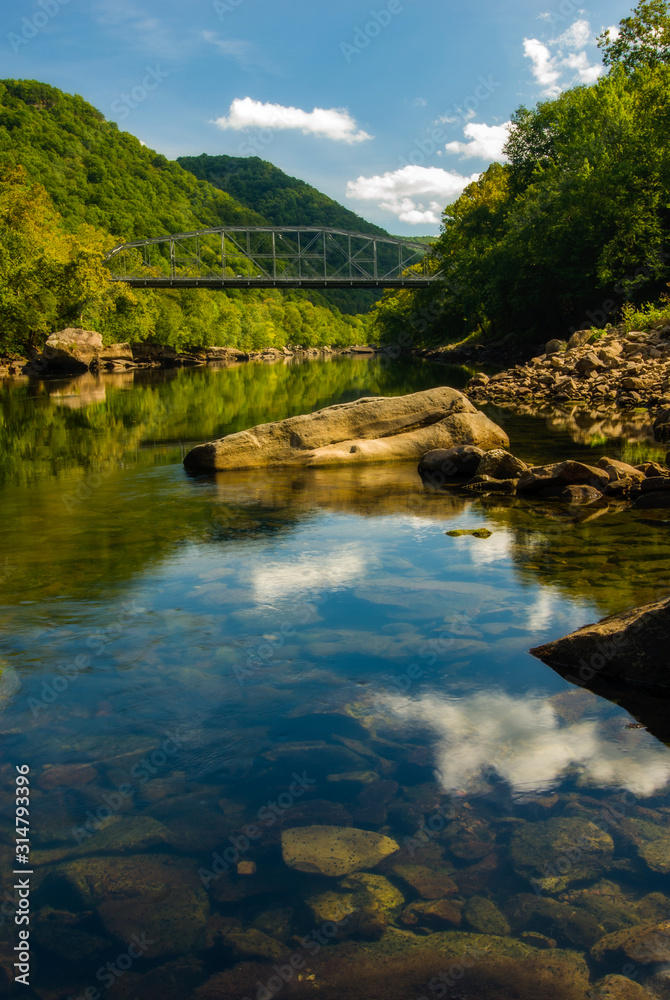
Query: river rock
x,y
372,429
616,987
554,853
629,646
71,350
580,494
617,470
483,915
542,477
334,850
644,943
556,347
441,464
432,913
499,464
430,883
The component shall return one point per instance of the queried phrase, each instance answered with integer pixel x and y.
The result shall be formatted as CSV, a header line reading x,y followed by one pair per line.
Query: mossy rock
x,y
555,853
652,842
363,904
618,988
475,532
484,916
568,924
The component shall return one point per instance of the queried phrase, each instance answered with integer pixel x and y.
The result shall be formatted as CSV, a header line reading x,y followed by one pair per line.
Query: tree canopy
x,y
642,39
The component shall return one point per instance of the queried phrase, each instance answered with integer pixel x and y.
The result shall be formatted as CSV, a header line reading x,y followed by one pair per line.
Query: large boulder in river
x,y
631,646
72,350
372,429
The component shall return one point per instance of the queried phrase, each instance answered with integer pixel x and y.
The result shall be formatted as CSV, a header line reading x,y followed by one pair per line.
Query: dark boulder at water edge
x,y
372,429
629,647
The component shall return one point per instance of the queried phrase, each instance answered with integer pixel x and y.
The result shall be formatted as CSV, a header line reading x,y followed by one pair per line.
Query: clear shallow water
x,y
179,652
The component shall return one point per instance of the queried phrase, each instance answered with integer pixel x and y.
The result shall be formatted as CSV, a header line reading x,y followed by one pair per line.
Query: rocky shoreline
x,y
75,351
610,368
496,471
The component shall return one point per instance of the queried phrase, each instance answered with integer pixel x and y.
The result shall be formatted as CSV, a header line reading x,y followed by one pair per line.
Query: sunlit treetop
x,y
643,38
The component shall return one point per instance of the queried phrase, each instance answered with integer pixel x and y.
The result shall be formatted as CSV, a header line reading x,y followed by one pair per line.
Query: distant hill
x,y
94,173
281,199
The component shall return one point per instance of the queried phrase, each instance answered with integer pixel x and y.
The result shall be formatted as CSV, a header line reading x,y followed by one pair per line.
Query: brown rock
x,y
589,363
618,470
373,429
500,464
579,338
644,943
72,349
630,646
580,494
448,463
541,477
430,883
433,913
618,988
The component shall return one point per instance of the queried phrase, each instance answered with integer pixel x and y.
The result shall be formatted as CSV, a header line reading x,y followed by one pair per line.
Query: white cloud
x,y
577,36
398,191
562,62
273,582
544,67
486,141
528,746
333,123
420,102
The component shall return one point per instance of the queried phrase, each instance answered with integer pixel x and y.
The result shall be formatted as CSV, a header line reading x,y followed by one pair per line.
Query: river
x,y
192,665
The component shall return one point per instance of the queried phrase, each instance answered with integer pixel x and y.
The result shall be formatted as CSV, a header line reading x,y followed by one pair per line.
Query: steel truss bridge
x,y
271,257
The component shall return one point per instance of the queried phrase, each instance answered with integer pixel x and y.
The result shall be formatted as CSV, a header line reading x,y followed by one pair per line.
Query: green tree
x,y
643,39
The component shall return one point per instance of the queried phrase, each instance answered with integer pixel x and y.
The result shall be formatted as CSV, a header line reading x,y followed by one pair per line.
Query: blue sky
x,y
390,108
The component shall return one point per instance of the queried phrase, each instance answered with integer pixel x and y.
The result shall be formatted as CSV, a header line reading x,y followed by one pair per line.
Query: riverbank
x,y
611,368
129,357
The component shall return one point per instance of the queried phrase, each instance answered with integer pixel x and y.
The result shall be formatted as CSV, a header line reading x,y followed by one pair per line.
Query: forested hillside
x,y
72,186
576,224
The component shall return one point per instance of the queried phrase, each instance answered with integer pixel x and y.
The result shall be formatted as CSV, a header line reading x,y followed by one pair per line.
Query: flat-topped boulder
x,y
372,429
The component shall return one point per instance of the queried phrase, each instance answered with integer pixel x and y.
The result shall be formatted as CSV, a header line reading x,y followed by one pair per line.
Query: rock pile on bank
x,y
497,471
612,367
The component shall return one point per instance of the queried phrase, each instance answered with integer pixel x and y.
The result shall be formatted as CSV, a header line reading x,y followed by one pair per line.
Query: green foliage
x,y
643,39
47,276
573,226
94,187
648,315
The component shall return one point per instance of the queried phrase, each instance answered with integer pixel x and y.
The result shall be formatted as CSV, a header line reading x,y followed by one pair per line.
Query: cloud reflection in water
x,y
526,743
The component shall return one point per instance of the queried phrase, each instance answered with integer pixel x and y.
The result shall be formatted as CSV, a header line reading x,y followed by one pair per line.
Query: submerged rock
x,y
630,646
644,943
372,429
554,853
652,842
429,883
333,850
484,916
618,988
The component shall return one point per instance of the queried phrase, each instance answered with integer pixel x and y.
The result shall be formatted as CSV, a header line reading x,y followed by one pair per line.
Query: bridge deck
x,y
220,283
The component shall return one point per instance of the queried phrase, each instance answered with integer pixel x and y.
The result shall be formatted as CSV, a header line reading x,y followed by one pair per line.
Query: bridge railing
x,y
264,255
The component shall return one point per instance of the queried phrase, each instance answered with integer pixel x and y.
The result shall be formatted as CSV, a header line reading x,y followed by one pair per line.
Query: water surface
x,y
186,656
